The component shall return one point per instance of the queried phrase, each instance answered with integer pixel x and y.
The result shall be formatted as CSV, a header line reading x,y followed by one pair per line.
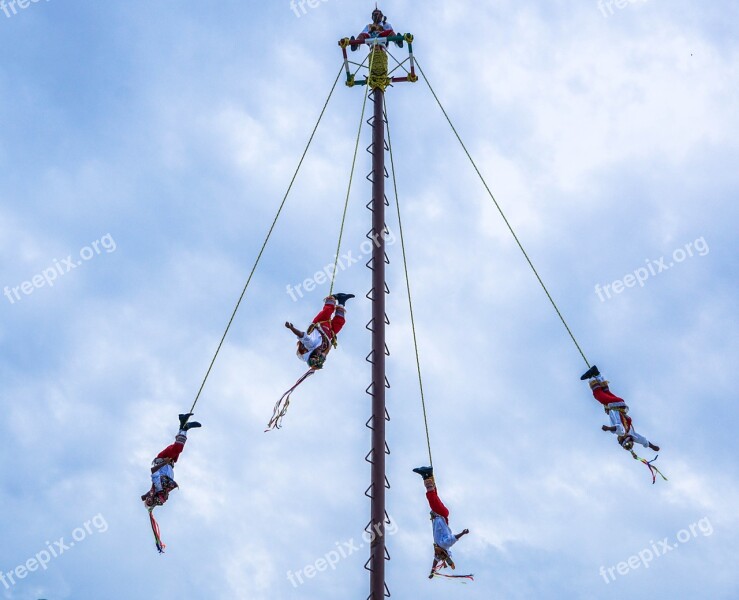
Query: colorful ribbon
x,y
436,572
283,403
652,469
155,529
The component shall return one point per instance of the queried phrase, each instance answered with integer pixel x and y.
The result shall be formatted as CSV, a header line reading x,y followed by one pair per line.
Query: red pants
x,y
437,505
329,325
605,396
172,451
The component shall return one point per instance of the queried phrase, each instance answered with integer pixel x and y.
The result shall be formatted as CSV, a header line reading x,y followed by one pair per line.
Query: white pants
x,y
615,417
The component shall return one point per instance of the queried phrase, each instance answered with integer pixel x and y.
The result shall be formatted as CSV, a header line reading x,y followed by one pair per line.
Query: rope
x,y
264,245
358,65
349,188
408,286
502,214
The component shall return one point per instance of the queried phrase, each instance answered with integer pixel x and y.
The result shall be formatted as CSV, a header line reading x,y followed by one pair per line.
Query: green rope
x,y
349,188
264,245
408,286
502,214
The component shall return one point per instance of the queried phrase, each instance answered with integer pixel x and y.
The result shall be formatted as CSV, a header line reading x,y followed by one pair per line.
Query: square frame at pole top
x,y
407,66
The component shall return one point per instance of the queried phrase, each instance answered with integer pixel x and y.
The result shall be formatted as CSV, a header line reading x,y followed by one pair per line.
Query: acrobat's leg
x,y
327,311
432,495
602,394
435,503
337,323
340,313
173,451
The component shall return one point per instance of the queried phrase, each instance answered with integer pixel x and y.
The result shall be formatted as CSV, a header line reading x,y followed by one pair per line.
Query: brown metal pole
x,y
377,570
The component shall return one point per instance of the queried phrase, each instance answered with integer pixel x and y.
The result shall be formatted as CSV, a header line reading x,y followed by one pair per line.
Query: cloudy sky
x,y
144,150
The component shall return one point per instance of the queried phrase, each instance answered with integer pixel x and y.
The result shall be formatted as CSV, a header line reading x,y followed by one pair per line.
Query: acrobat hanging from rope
x,y
314,344
162,474
444,539
378,28
618,413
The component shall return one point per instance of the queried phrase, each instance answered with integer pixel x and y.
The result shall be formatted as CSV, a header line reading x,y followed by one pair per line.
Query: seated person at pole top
x,y
378,28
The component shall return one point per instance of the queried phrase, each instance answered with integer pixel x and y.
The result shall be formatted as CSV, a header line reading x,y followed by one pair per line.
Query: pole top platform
x,y
379,53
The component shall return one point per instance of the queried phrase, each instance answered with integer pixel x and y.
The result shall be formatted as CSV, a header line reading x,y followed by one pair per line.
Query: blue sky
x,y
152,143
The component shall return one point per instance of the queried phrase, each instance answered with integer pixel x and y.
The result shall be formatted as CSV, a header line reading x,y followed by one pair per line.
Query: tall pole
x,y
377,553
378,79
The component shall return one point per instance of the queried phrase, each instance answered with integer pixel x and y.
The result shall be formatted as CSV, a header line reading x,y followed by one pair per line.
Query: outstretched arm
x,y
463,533
292,328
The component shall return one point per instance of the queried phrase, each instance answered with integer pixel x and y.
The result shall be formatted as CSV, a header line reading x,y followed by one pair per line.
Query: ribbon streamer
x,y
436,572
283,403
652,469
155,529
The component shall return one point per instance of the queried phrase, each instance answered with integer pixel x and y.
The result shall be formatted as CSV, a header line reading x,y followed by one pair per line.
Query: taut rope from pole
x,y
349,188
408,287
502,214
264,245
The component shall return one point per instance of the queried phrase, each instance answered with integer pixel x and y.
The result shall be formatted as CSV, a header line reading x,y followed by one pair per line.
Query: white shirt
x,y
443,535
311,341
156,477
615,417
385,27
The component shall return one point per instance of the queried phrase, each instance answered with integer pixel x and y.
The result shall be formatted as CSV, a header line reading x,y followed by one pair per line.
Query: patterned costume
x,y
162,467
321,335
617,411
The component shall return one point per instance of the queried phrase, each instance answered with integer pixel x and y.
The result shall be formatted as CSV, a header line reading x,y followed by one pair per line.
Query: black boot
x,y
399,43
425,472
354,47
591,372
189,426
183,420
342,298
